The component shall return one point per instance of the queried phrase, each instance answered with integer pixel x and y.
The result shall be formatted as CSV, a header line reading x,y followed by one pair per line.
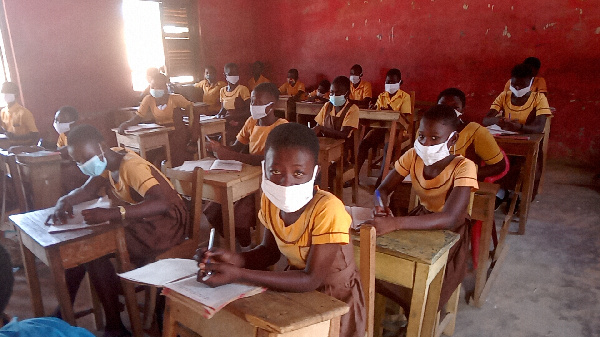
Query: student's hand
x,y
382,211
379,210
384,224
372,106
234,123
62,211
513,125
122,128
99,215
221,151
217,255
318,130
222,273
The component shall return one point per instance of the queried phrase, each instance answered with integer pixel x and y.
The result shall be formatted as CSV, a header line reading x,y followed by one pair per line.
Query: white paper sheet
x,y
142,127
161,272
77,222
359,215
227,165
495,130
190,165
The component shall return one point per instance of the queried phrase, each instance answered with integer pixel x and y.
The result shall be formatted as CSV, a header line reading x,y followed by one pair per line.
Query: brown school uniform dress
x,y
347,116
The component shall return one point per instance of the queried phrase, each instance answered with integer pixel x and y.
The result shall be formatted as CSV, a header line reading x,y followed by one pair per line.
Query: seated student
x,y
443,182
211,89
360,91
65,119
257,75
16,122
252,138
306,224
321,94
154,213
474,142
293,87
539,83
235,100
393,98
150,73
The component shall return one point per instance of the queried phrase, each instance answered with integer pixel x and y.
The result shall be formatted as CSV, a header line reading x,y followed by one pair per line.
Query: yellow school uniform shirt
x,y
252,83
351,118
62,140
135,175
482,142
324,220
287,89
400,101
314,94
163,114
255,135
362,91
433,193
538,85
536,101
211,93
228,97
18,120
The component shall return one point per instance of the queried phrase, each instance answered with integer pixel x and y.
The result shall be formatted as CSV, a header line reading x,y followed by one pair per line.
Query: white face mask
x,y
8,98
354,79
458,113
521,92
288,198
259,111
157,93
232,79
62,127
392,88
433,153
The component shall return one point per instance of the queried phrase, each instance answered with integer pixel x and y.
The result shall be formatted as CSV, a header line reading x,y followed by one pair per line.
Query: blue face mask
x,y
94,166
337,100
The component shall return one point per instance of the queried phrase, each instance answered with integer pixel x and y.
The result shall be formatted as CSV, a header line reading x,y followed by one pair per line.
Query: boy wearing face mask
x,y
211,89
153,212
360,91
16,122
321,94
443,182
235,100
306,224
539,83
64,120
251,138
257,75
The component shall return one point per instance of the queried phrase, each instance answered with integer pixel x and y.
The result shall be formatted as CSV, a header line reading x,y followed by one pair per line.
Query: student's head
x,y
150,73
437,124
10,92
340,86
263,94
292,76
65,118
324,87
453,98
158,85
291,154
534,63
393,79
356,73
210,73
257,69
232,73
521,76
86,147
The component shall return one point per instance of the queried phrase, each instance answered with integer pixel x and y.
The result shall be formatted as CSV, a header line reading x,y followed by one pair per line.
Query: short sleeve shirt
x,y
536,102
362,91
255,135
477,139
18,120
350,119
163,114
228,97
400,101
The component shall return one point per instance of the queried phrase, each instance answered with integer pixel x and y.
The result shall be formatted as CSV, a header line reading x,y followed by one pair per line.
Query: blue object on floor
x,y
42,326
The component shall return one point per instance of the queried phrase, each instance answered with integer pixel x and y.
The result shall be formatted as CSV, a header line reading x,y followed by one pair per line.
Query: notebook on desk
x,y
77,222
211,165
359,215
142,127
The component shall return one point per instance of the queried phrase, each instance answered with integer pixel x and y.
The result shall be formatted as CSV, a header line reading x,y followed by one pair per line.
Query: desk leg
x,y
418,301
391,141
168,149
128,288
432,304
484,252
325,174
334,327
228,220
60,286
528,182
32,279
201,145
339,178
260,229
169,322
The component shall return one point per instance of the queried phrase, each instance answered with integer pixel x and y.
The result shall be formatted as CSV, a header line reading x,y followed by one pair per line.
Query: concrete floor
x,y
549,284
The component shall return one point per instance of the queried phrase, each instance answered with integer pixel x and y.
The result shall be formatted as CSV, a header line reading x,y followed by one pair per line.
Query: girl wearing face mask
x,y
211,89
519,109
443,182
16,122
153,213
360,91
307,225
235,102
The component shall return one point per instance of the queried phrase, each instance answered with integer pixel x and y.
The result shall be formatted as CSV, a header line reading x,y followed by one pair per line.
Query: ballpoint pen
x,y
211,241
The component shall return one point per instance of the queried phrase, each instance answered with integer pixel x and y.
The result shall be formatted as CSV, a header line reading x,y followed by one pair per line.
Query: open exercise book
x,y
359,215
211,165
77,222
179,275
495,130
142,127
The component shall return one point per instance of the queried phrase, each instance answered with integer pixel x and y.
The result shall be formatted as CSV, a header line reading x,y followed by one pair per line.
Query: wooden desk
x,y
525,146
282,105
61,251
415,260
307,109
41,170
268,314
208,127
143,141
331,150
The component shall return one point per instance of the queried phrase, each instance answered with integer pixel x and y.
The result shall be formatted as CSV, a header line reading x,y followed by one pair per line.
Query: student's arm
x,y
491,170
89,191
491,119
331,133
386,188
363,104
234,153
536,127
135,120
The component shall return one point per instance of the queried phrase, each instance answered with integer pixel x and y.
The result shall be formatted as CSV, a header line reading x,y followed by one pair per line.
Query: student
x,y
293,87
251,139
539,83
257,75
306,224
474,142
235,100
321,94
16,122
154,213
64,120
338,117
150,73
360,91
443,182
211,89
393,98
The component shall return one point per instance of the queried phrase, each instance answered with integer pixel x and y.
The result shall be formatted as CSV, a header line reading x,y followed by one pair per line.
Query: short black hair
x,y
521,71
69,111
10,88
443,114
453,92
293,72
84,133
342,82
230,66
270,89
160,78
533,62
357,67
293,135
394,72
211,68
325,84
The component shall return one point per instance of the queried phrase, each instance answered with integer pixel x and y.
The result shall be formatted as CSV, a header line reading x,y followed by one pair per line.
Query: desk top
x,y
32,224
364,114
282,312
39,157
520,138
414,245
229,178
326,143
148,132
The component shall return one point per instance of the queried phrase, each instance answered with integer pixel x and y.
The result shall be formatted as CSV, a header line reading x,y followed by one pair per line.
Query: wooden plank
x,y
76,253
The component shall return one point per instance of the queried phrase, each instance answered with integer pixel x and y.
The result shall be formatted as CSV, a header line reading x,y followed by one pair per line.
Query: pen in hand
x,y
211,241
380,203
